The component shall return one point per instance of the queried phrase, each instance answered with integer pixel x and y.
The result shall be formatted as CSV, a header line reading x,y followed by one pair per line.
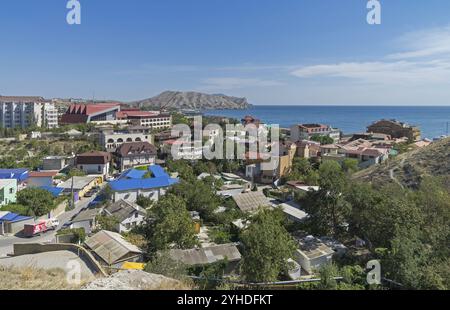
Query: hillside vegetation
x,y
410,168
191,100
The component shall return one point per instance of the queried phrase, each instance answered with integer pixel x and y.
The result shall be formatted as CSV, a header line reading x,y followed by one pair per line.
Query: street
x,y
6,243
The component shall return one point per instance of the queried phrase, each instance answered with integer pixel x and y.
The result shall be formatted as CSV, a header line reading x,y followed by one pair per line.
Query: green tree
x,y
327,207
144,202
39,201
169,225
163,264
200,196
266,247
106,222
350,165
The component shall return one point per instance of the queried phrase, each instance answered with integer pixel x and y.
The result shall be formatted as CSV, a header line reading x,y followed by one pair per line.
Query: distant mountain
x,y
410,168
174,100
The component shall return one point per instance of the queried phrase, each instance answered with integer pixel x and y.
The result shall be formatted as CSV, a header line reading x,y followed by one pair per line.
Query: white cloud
x,y
424,43
427,61
399,72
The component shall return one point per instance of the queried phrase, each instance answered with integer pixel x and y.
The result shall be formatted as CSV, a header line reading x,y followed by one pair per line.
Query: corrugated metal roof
x,y
19,174
86,215
207,255
110,246
133,174
123,209
13,218
158,171
131,184
251,201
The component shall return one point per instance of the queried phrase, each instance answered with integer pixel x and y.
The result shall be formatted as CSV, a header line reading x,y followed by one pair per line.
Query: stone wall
x,y
35,248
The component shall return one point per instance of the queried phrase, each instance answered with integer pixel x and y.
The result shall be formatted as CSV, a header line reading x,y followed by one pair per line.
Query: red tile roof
x,y
42,174
79,113
89,109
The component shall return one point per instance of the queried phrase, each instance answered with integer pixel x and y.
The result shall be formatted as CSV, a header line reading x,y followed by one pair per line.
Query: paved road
x,y
6,243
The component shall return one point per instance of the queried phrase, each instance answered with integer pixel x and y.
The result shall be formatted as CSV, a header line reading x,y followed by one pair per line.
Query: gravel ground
x,y
135,280
48,260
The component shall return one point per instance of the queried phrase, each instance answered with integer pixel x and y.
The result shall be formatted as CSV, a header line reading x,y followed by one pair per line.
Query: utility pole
x,y
72,198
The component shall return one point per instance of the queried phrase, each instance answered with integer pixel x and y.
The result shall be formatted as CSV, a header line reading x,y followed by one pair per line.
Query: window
x,y
136,215
11,190
99,168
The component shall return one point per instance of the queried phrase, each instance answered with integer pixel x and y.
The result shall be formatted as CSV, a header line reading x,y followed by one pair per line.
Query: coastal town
x,y
99,184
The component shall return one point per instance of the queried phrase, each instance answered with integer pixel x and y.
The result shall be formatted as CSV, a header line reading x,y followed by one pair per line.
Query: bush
x,y
79,235
220,236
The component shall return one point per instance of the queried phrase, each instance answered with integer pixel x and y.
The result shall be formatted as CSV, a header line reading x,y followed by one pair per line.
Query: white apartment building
x,y
112,139
49,115
307,131
160,121
22,112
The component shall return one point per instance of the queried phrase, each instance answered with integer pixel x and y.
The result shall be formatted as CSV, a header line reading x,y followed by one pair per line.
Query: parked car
x,y
89,194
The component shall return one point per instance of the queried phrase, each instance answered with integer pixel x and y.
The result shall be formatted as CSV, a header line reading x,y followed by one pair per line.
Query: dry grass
x,y
411,167
31,278
170,285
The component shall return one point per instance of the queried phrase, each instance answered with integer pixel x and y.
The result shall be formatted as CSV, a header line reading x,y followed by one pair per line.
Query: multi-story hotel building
x,y
307,131
153,120
23,112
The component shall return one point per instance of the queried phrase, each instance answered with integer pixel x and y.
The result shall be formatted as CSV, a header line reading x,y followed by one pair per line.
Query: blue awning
x,y
13,218
55,191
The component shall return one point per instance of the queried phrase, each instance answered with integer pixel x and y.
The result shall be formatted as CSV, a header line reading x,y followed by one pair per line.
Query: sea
x,y
434,121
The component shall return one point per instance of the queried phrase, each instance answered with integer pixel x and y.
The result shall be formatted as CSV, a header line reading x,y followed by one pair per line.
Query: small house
x,y
41,178
86,219
111,249
12,223
208,255
251,201
8,191
94,162
313,254
128,214
80,185
134,183
129,155
21,174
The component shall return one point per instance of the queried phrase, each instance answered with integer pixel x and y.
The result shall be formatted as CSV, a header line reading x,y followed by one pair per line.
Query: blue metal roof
x,y
20,174
13,218
133,174
131,184
158,171
55,191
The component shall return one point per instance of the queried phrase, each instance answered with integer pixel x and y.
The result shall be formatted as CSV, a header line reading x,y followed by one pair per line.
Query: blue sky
x,y
270,51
